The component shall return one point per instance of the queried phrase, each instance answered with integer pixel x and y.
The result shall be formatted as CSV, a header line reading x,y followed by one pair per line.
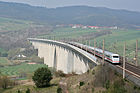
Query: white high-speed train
x,y
109,56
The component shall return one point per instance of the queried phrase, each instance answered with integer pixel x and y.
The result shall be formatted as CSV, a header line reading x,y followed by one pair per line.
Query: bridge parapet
x,y
63,56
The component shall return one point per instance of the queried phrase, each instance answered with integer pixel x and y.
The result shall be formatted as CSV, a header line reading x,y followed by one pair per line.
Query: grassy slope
x,y
52,89
113,42
73,83
60,33
7,24
4,61
33,89
2,50
117,38
16,70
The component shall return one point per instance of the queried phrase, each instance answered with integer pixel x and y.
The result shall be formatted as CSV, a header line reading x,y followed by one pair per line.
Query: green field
x,y
114,42
33,89
4,61
2,50
24,67
7,24
61,33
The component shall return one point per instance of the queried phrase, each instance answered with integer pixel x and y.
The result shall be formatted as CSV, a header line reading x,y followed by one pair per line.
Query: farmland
x,y
17,69
2,50
4,61
13,37
10,30
67,32
14,33
114,41
7,24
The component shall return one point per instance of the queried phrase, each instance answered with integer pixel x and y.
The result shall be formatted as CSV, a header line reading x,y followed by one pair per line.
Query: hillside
x,y
7,25
71,15
14,33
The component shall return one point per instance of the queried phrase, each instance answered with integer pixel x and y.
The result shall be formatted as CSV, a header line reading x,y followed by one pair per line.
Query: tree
x,y
42,77
28,90
59,90
4,55
18,91
4,82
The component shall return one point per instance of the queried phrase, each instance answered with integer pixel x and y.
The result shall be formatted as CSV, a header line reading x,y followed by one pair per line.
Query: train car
x,y
109,56
113,58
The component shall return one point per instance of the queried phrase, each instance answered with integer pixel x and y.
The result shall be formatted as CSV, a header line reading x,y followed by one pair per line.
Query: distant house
x,y
77,26
115,27
21,56
84,27
31,63
74,27
93,27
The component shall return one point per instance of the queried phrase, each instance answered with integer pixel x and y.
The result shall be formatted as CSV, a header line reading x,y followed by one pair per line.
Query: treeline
x,y
6,82
3,54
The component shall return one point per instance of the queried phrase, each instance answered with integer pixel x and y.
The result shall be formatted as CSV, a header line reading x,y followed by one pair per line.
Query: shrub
x,y
135,87
59,90
103,75
18,91
107,85
117,87
4,55
59,73
28,90
93,72
4,82
42,77
93,90
81,83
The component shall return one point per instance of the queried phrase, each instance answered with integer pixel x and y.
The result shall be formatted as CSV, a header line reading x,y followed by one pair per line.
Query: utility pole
x,y
124,60
103,51
136,55
89,42
94,47
86,45
81,43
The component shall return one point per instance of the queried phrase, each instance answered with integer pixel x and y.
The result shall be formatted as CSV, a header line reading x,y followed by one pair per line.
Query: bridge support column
x,y
62,57
79,65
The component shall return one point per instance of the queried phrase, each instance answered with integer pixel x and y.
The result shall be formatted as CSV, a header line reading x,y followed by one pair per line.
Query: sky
x,y
133,5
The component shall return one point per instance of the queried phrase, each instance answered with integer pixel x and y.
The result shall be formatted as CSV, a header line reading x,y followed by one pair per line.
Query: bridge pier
x,y
62,57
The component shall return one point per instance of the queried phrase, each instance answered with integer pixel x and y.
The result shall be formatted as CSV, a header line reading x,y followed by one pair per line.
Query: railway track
x,y
132,69
129,68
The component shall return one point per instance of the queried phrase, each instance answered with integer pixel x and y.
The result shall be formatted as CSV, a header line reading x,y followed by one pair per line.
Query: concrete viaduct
x,y
63,56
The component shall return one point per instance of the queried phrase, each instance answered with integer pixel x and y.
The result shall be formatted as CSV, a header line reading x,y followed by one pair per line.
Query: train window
x,y
107,56
115,56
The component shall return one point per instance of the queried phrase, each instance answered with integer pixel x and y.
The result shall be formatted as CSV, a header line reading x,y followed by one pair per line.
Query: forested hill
x,y
71,15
